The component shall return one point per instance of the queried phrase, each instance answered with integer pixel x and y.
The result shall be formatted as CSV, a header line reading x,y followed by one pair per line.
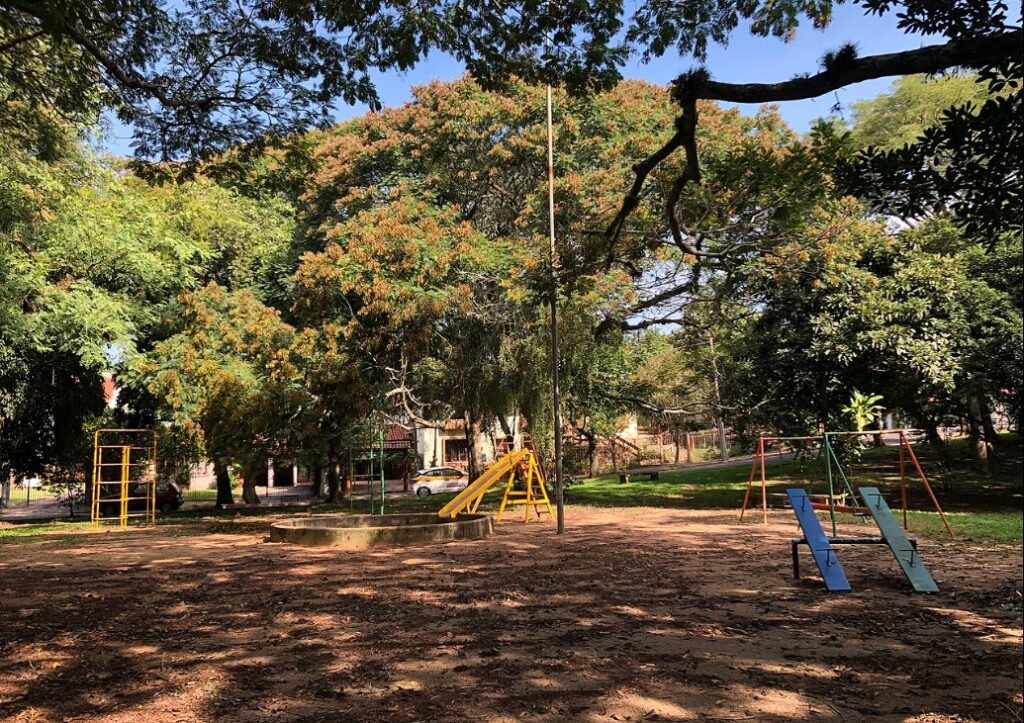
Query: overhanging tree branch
x,y
971,52
841,70
642,170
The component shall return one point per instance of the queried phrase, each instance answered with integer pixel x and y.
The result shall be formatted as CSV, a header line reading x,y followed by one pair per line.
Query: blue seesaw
x,y
823,551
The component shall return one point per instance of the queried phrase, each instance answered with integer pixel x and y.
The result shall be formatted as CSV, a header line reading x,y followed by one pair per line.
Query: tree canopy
x,y
711,266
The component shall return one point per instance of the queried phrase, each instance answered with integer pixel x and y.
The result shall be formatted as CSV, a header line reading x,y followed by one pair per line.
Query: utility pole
x,y
556,392
723,445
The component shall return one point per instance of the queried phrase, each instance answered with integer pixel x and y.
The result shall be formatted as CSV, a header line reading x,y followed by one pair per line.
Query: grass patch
x,y
711,487
45,532
956,482
209,495
15,531
978,507
983,526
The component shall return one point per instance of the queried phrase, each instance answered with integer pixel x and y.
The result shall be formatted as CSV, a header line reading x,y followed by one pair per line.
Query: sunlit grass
x,y
994,526
978,507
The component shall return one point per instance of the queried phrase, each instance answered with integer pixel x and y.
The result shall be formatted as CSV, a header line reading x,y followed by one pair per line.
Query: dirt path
x,y
636,614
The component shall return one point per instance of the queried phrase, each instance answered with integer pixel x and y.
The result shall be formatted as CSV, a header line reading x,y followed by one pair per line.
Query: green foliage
x,y
226,376
427,226
961,157
863,409
912,104
911,315
179,449
48,97
90,259
398,262
171,70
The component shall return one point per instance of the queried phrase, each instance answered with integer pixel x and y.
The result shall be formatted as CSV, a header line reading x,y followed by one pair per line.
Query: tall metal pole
x,y
556,392
723,444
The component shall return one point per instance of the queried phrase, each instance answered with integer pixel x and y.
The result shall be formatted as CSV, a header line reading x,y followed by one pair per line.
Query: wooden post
x,y
927,486
688,446
750,481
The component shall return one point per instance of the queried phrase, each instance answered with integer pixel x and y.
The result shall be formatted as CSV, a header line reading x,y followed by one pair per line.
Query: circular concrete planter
x,y
366,530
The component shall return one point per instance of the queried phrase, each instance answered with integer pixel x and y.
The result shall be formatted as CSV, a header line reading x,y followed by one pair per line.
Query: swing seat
x,y
822,504
849,509
839,499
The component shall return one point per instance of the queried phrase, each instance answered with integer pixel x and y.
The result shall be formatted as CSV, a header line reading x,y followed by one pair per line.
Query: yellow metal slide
x,y
504,465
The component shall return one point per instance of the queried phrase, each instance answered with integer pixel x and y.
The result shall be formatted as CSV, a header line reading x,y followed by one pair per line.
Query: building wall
x,y
432,443
203,477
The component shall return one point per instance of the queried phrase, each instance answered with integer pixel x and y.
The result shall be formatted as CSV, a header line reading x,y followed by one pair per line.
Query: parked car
x,y
169,497
439,479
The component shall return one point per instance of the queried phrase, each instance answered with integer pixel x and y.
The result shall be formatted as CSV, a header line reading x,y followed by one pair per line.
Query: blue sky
x,y
746,59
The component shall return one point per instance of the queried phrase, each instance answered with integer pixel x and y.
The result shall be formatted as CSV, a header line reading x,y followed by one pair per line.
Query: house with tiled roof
x,y
445,444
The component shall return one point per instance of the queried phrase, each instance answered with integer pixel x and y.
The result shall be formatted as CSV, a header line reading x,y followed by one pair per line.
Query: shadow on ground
x,y
636,614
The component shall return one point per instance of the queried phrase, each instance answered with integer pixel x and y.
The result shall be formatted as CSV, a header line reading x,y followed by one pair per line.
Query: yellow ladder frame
x,y
533,497
125,478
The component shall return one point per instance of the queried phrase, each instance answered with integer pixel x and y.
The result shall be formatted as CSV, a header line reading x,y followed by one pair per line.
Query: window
x,y
456,452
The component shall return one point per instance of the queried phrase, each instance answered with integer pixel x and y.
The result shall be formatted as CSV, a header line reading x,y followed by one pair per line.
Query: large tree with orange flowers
x,y
426,233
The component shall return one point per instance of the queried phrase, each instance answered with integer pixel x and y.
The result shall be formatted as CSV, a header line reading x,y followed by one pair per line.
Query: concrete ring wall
x,y
368,530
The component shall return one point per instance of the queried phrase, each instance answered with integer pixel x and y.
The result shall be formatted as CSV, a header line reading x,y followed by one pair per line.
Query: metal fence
x,y
269,494
37,500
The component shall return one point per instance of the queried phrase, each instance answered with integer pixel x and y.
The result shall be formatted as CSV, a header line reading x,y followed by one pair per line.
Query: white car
x,y
433,480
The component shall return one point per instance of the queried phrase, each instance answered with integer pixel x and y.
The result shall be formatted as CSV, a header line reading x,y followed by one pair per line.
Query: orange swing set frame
x,y
906,454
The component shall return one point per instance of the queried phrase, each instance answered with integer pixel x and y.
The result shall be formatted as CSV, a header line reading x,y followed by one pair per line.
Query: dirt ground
x,y
635,615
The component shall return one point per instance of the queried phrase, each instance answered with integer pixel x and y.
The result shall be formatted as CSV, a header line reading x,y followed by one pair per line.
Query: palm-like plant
x,y
863,409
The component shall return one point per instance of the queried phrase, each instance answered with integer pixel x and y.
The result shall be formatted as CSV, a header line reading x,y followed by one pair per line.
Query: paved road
x,y
42,510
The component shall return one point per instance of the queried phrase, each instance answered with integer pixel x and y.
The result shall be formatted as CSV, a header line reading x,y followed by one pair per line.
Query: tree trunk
x,y
471,455
505,428
591,453
5,488
723,445
86,499
979,445
318,480
332,472
823,406
223,477
255,473
931,431
615,455
991,436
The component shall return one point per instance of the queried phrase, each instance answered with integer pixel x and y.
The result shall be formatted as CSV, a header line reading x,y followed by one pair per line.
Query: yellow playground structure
x,y
534,496
123,475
